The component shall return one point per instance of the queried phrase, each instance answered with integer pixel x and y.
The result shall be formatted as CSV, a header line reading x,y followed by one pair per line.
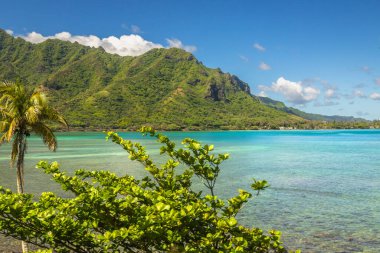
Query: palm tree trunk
x,y
20,177
20,164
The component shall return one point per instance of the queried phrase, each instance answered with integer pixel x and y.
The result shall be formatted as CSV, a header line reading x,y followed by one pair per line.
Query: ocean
x,y
324,192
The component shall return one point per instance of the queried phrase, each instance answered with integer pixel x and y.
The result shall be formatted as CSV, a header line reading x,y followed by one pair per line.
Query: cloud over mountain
x,y
125,45
177,43
294,92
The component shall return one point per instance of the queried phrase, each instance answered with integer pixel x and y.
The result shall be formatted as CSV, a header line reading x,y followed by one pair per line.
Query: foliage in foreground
x,y
24,111
160,213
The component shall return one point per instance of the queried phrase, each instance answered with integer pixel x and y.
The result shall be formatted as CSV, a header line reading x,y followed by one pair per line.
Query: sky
x,y
318,56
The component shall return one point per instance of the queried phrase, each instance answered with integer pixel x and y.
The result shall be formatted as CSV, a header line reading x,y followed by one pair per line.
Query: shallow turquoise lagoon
x,y
325,185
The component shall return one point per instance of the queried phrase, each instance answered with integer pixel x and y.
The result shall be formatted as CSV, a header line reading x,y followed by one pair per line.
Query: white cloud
x,y
262,94
330,93
10,32
375,96
263,66
359,93
35,37
329,98
125,45
177,43
259,47
135,29
294,92
264,88
244,58
131,45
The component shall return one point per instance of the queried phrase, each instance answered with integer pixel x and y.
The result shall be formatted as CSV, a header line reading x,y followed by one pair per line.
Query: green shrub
x,y
159,213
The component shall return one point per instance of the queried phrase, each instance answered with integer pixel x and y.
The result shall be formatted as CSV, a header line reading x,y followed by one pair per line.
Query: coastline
x,y
98,129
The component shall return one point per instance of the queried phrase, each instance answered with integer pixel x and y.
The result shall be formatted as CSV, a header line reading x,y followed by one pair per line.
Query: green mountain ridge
x,y
309,116
165,88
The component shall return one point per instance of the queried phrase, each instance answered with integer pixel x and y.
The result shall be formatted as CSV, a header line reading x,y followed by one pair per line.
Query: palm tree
x,y
24,111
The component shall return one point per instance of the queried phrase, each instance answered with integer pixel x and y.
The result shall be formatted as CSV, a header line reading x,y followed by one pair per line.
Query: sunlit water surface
x,y
325,185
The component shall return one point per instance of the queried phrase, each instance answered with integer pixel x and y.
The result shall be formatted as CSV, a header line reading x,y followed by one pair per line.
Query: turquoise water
x,y
325,185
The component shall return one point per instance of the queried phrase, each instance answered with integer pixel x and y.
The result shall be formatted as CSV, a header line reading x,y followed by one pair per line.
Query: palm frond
x,y
38,98
4,86
4,124
32,114
51,114
23,111
47,135
3,138
11,129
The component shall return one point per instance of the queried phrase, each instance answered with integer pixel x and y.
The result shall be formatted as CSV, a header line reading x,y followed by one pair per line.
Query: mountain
x,y
166,88
309,116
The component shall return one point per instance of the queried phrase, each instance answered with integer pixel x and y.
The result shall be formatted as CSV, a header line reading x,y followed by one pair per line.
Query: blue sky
x,y
319,56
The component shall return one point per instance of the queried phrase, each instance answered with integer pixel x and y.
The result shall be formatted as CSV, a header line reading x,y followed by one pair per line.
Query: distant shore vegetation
x,y
305,125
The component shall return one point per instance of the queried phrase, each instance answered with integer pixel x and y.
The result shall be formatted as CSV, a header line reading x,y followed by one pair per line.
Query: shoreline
x,y
96,129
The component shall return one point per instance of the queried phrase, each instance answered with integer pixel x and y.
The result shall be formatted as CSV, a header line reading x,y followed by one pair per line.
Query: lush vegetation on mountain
x,y
160,213
165,88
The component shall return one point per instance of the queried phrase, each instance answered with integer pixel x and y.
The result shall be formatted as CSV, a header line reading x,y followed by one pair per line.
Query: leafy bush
x,y
159,213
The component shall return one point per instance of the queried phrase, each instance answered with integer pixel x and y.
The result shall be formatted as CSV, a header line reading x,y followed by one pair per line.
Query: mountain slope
x,y
309,116
166,88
